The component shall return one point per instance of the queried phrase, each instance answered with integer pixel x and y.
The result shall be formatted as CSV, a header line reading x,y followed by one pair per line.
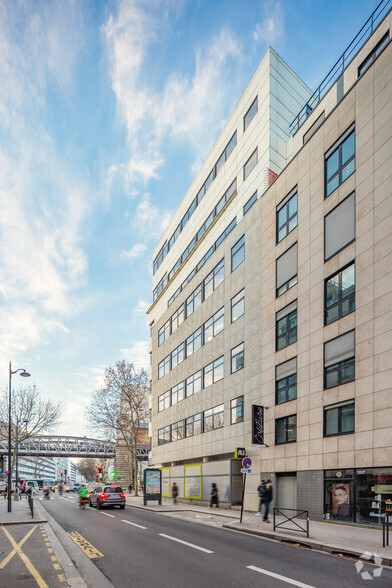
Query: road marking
x,y
11,555
57,566
186,543
61,577
40,581
134,524
279,577
107,515
85,545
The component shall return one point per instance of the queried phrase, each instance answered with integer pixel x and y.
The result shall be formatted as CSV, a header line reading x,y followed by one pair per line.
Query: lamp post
x,y
25,375
25,421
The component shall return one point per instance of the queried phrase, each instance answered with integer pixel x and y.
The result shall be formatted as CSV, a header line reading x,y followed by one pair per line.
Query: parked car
x,y
76,487
26,484
107,496
67,487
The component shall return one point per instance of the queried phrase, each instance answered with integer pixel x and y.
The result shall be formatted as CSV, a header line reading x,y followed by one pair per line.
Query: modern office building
x,y
272,288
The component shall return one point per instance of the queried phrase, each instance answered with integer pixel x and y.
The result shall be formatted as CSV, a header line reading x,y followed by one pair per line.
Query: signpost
x,y
246,463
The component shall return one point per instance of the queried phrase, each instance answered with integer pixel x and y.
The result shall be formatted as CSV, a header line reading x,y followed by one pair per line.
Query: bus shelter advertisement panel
x,y
153,482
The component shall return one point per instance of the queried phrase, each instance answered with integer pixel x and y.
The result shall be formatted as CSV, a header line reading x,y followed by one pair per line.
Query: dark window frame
x,y
234,407
353,193
233,305
339,147
286,202
163,430
233,356
288,330
248,205
285,418
247,171
376,51
286,387
339,407
341,300
248,120
338,366
240,244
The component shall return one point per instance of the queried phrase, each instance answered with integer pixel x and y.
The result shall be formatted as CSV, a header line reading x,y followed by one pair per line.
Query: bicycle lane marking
x,y
17,549
87,548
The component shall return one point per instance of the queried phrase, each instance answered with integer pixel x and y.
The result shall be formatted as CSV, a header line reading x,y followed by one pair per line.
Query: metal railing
x,y
355,46
290,519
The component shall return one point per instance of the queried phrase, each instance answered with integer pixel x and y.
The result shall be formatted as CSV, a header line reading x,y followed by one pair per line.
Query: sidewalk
x,y
332,538
20,513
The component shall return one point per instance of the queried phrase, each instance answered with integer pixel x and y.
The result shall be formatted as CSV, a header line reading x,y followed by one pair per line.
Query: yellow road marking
x,y
61,577
53,558
40,581
50,550
85,545
11,555
57,566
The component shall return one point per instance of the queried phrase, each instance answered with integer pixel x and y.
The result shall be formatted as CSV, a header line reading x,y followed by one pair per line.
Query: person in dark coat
x,y
175,493
268,495
261,488
214,496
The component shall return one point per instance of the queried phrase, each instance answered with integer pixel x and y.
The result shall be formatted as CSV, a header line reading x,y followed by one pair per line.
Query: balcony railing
x,y
352,50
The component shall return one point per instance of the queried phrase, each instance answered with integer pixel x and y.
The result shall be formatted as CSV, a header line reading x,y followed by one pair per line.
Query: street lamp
x,y
24,374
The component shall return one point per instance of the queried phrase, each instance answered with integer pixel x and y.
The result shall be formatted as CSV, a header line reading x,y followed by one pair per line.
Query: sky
x,y
107,110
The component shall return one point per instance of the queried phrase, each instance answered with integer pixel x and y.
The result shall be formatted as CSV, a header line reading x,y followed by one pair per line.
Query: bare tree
x,y
31,415
88,467
119,407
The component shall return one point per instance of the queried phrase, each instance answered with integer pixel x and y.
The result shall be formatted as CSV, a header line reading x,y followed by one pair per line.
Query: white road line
x,y
107,515
186,543
279,577
134,524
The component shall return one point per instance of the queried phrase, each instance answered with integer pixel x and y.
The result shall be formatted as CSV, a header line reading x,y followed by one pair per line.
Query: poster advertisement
x,y
341,500
153,482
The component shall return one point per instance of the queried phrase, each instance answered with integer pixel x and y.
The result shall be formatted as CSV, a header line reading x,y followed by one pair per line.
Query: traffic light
x,y
113,474
100,468
96,475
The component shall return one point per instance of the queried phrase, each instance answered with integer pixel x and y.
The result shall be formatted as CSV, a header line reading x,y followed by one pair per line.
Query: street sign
x,y
240,452
246,462
245,471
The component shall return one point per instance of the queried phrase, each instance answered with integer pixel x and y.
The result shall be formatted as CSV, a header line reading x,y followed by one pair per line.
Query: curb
x,y
169,510
25,522
86,573
311,543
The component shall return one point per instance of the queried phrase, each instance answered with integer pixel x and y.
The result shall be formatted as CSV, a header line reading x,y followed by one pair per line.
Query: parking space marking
x,y
134,524
85,545
17,549
186,543
279,577
107,514
19,545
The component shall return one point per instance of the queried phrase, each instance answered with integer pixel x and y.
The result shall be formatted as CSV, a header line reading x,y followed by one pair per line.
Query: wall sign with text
x,y
257,425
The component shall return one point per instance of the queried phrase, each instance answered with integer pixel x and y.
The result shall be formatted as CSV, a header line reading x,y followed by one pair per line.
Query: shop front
x,y
357,495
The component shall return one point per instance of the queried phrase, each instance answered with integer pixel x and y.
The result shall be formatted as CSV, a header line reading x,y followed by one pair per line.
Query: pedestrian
x,y
267,500
175,493
60,489
46,493
214,496
130,488
261,488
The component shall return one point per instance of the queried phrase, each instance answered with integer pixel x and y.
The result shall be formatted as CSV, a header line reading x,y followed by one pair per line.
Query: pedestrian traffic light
x,y
61,473
96,475
100,468
113,474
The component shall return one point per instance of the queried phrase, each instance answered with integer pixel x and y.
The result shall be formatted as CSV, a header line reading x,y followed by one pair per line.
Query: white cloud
x,y
142,307
137,354
271,29
136,251
150,219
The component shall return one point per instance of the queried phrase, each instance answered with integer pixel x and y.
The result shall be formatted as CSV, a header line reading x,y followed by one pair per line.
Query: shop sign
x,y
380,478
257,425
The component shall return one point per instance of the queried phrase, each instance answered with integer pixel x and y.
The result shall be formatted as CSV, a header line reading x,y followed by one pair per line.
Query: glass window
x,y
193,425
250,164
178,431
213,418
231,144
340,164
238,253
164,332
213,372
178,393
286,429
339,360
374,54
238,305
214,279
250,114
194,342
164,435
339,419
193,384
286,328
340,294
164,401
237,358
214,326
178,355
250,203
193,301
286,381
178,318
237,410
164,367
286,217
286,270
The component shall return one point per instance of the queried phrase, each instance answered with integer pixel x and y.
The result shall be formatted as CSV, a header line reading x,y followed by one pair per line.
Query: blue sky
x,y
107,109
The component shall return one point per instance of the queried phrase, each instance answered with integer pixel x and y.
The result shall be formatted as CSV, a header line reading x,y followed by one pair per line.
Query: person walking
x,y
214,496
267,500
261,488
175,493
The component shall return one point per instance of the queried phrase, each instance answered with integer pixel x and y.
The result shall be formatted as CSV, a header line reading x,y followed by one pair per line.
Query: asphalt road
x,y
141,548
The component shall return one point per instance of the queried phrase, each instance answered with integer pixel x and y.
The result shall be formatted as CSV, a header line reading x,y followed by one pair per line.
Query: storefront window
x,y
357,495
